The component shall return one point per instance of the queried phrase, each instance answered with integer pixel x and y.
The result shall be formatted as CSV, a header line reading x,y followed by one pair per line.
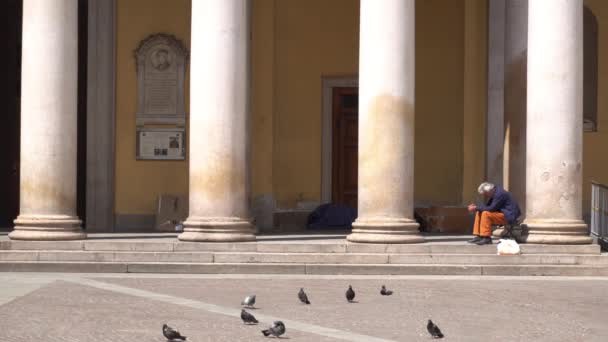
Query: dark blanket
x,y
331,215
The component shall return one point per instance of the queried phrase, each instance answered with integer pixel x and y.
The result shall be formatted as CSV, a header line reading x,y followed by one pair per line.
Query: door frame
x,y
328,83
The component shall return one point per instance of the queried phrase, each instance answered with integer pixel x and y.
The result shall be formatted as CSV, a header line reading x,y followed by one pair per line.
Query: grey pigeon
x,y
277,329
248,318
434,330
249,301
385,292
303,297
350,294
172,334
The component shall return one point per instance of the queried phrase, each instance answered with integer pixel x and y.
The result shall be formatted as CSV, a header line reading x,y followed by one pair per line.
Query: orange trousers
x,y
484,221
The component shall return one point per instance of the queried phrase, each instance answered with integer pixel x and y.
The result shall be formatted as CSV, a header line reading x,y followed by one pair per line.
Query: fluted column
x,y
49,122
554,123
219,106
386,123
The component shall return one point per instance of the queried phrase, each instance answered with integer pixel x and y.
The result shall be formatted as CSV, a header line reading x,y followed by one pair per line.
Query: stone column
x,y
386,123
496,86
219,106
48,122
554,121
515,75
516,49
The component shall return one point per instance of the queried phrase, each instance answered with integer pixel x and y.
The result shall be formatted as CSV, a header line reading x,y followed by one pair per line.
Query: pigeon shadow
x,y
353,301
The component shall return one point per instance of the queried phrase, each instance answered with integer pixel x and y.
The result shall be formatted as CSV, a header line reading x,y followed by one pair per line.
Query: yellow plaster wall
x,y
595,157
138,183
262,96
439,101
295,43
475,97
313,38
320,38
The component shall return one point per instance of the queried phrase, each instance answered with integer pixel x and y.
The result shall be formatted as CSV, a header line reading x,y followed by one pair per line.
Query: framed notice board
x,y
161,144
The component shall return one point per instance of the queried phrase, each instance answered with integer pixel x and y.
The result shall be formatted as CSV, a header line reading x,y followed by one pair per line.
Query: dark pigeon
x,y
249,301
248,318
350,294
303,297
172,334
434,330
385,292
277,329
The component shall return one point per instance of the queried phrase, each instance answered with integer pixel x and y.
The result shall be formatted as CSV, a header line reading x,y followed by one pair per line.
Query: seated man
x,y
499,209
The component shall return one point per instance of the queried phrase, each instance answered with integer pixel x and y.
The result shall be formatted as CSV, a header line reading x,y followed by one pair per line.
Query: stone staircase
x,y
164,254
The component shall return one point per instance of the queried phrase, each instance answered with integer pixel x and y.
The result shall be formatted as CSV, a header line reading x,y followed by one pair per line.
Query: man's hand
x,y
472,208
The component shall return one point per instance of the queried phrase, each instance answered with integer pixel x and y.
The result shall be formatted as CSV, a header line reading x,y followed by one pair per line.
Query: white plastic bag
x,y
507,247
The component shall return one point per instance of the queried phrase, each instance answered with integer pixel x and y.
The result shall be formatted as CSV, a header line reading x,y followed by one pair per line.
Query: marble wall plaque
x,y
161,66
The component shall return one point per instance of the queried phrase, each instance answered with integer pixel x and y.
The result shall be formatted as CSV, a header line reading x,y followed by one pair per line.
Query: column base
x,y
385,230
47,228
557,232
217,229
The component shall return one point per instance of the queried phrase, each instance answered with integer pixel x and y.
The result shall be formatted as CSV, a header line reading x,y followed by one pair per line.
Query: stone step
x,y
306,247
327,269
300,258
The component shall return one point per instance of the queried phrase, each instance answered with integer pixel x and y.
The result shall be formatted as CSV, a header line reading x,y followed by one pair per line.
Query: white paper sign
x,y
161,144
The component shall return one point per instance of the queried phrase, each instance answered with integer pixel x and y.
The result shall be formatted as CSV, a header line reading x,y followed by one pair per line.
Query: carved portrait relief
x,y
161,65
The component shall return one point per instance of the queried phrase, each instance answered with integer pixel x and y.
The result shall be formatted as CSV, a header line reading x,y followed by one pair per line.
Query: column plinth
x,y
49,122
386,124
47,227
554,123
384,230
557,232
219,123
219,229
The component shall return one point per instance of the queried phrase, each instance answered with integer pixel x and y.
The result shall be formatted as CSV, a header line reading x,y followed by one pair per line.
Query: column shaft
x,y
554,123
386,123
219,105
516,48
514,103
49,122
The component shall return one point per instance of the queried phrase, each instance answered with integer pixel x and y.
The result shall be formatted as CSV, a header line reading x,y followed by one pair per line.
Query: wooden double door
x,y
345,145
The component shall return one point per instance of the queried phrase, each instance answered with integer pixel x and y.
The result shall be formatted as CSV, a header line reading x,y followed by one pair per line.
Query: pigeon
x,y
350,294
249,301
434,330
277,329
172,334
385,292
248,318
303,297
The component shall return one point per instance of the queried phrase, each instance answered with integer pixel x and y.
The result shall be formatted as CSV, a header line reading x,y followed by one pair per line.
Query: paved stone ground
x,y
99,307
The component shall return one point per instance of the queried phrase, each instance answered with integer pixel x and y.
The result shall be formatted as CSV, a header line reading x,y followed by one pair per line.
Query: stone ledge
x,y
307,258
63,267
128,246
317,269
216,268
268,246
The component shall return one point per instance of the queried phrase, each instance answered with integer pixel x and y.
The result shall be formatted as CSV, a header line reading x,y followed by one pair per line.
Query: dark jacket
x,y
502,201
